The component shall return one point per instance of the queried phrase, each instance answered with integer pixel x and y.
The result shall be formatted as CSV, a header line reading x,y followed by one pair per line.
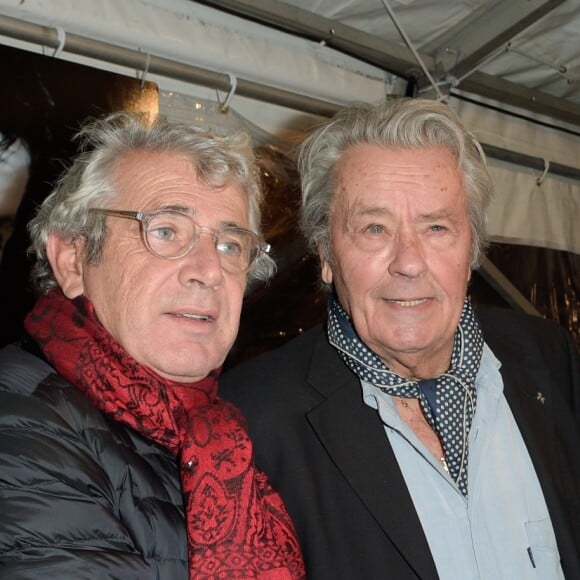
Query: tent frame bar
x,y
114,54
390,56
118,55
530,161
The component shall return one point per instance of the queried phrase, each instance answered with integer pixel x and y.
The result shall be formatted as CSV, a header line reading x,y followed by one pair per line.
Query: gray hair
x,y
401,124
89,183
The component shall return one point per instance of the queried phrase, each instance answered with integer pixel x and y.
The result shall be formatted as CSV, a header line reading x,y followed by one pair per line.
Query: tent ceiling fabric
x,y
521,52
525,53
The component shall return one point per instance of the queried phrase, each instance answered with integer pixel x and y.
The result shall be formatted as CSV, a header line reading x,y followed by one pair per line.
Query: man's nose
x,y
202,264
408,257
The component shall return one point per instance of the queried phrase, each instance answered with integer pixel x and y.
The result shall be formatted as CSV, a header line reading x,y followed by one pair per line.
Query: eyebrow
x,y
193,212
179,208
438,215
378,210
372,210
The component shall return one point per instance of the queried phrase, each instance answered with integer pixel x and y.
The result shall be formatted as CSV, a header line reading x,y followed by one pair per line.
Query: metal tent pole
x,y
88,47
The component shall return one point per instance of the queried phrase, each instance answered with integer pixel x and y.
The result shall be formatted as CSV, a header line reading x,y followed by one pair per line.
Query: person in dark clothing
x,y
412,437
117,457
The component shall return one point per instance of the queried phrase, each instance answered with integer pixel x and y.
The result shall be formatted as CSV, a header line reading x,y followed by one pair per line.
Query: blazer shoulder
x,y
504,326
519,339
292,357
279,376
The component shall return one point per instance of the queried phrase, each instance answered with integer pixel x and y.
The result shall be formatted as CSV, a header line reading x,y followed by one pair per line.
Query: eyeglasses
x,y
171,234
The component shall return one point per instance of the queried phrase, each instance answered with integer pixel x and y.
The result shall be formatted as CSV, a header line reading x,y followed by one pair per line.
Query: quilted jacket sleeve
x,y
58,517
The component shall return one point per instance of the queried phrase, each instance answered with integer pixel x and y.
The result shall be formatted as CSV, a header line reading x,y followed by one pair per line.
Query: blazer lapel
x,y
354,438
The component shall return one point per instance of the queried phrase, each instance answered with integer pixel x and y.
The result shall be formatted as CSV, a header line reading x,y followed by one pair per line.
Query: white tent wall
x,y
529,207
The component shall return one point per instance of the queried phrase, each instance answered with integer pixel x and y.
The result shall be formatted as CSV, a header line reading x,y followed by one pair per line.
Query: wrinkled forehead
x,y
152,180
372,172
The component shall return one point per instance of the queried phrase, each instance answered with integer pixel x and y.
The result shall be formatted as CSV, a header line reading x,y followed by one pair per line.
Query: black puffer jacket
x,y
80,495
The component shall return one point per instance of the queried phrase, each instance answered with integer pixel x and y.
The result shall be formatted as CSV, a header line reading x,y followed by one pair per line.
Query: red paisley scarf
x,y
237,526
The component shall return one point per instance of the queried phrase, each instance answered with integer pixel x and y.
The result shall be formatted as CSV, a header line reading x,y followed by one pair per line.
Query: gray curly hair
x,y
400,124
88,183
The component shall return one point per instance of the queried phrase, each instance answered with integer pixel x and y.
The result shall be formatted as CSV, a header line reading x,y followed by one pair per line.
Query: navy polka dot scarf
x,y
448,400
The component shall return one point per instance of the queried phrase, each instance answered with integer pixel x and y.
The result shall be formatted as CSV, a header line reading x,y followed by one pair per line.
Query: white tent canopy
x,y
189,49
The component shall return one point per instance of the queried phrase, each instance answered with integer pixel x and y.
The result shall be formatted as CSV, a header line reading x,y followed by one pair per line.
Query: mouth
x,y
191,316
408,303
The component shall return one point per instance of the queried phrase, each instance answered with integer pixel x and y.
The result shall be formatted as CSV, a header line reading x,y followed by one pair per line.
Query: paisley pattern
x,y
237,525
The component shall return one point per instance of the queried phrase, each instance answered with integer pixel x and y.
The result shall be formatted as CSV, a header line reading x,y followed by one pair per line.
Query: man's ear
x,y
66,259
325,267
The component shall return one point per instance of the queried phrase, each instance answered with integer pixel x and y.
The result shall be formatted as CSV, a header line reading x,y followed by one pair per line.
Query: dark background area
x,y
44,101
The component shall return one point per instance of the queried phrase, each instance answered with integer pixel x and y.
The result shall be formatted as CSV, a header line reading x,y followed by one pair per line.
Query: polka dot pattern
x,y
448,400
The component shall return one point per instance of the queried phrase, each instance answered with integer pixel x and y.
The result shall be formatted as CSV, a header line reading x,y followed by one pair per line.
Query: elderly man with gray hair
x,y
117,457
412,437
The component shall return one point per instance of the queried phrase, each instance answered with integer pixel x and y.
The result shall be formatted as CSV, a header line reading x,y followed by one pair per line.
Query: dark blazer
x,y
327,453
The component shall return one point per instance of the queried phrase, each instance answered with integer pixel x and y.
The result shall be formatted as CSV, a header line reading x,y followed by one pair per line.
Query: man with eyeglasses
x,y
117,458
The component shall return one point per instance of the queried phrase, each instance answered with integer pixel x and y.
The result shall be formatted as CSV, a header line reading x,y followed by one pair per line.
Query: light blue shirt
x,y
503,531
